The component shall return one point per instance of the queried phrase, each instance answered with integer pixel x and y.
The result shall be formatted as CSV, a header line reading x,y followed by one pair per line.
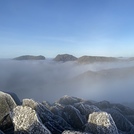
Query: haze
x,y
50,80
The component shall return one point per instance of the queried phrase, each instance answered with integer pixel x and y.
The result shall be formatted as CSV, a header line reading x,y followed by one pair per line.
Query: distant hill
x,y
131,59
65,57
107,74
92,59
30,57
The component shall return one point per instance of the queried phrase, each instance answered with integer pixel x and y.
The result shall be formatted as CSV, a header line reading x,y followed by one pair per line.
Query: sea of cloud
x,y
50,80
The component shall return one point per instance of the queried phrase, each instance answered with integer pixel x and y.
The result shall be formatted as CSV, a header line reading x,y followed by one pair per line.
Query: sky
x,y
77,27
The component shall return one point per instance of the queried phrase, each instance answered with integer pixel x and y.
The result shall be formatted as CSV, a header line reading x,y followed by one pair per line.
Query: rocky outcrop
x,y
68,115
30,57
65,57
101,123
26,121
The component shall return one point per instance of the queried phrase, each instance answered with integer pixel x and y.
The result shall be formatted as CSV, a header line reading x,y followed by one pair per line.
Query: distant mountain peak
x,y
65,57
30,57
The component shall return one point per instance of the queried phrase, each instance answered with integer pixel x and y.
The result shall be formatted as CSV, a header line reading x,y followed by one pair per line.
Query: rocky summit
x,y
68,115
65,57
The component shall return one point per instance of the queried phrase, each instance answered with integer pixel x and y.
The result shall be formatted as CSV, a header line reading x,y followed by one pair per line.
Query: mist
x,y
50,80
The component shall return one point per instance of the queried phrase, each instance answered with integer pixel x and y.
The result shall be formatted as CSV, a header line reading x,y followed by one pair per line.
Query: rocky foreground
x,y
68,115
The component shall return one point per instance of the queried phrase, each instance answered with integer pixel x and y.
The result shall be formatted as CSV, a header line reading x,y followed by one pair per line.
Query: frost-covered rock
x,y
26,121
57,109
123,109
120,120
7,104
74,117
67,100
38,107
130,118
86,109
103,104
54,123
1,132
101,123
74,132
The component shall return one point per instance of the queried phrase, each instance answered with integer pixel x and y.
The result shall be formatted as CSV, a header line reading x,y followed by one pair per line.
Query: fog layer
x,y
49,80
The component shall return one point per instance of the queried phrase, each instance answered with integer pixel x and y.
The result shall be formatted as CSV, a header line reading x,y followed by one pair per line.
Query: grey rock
x,y
15,97
54,123
57,109
121,121
86,109
1,132
103,105
123,109
130,132
26,121
46,104
130,118
101,123
67,100
6,106
74,132
74,117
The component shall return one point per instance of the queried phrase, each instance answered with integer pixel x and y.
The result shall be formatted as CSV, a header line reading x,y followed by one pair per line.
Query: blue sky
x,y
78,27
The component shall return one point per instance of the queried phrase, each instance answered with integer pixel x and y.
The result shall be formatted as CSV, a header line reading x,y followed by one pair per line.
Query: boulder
x,y
26,121
67,100
74,117
130,118
15,97
74,132
120,120
54,123
6,106
57,109
103,105
123,109
1,132
101,123
86,109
